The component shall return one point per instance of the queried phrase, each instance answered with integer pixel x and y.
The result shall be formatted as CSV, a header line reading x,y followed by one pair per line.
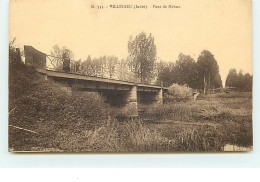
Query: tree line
x,y
141,65
239,81
203,74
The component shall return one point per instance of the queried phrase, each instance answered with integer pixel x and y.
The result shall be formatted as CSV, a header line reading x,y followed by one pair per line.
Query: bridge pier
x,y
150,99
131,102
159,98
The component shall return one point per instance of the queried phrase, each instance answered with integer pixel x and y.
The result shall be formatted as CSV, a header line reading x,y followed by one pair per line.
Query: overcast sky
x,y
220,26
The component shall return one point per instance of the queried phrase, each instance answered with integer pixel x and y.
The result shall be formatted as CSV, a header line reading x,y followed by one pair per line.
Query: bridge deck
x,y
141,87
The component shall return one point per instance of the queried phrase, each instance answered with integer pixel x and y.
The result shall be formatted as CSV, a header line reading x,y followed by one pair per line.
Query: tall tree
x,y
207,70
164,73
217,81
232,79
142,56
248,80
185,71
241,82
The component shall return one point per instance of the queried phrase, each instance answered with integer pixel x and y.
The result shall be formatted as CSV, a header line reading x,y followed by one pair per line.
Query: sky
x,y
224,27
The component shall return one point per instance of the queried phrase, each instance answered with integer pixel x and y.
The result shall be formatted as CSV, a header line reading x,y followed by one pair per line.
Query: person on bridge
x,y
66,61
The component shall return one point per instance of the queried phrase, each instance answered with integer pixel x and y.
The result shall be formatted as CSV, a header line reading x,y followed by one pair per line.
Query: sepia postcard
x,y
130,76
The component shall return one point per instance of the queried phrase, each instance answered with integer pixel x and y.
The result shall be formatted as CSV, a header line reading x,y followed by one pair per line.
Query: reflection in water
x,y
229,147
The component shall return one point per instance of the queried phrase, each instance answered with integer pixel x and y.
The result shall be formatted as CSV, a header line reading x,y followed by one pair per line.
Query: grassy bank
x,y
40,110
206,124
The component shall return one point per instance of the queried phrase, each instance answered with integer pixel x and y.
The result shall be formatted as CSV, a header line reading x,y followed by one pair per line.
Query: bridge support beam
x,y
159,97
131,102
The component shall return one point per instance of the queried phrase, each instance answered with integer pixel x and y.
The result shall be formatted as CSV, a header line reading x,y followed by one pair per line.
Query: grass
x,y
234,95
206,125
81,122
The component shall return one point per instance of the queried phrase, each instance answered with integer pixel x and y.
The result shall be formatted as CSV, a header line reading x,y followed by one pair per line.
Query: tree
x,y
241,82
217,81
248,80
185,71
87,67
142,57
14,53
98,65
110,65
207,71
164,73
232,80
122,70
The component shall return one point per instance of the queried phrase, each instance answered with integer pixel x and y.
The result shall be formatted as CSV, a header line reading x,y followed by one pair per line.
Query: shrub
x,y
179,93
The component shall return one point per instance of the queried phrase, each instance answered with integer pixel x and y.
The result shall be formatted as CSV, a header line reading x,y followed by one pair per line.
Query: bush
x,y
179,93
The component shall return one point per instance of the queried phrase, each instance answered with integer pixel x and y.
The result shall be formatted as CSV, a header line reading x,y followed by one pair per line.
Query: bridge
x,y
127,97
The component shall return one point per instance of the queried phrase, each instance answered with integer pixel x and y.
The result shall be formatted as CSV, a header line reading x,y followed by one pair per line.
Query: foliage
x,y
142,56
106,67
241,82
139,66
185,71
165,76
208,70
123,72
179,93
93,67
111,63
203,74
